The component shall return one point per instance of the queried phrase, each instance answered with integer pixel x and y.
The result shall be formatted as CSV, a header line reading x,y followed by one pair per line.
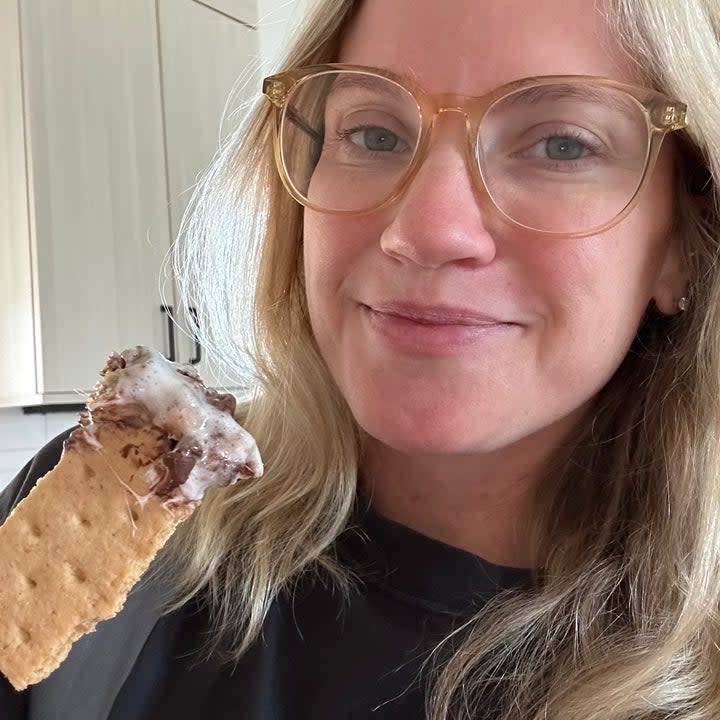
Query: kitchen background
x,y
109,109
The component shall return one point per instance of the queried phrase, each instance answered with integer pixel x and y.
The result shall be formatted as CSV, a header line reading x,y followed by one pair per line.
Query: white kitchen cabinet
x,y
108,111
196,86
244,11
17,360
204,54
96,191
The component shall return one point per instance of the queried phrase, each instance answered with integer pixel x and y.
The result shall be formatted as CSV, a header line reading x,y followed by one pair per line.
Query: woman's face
x,y
447,330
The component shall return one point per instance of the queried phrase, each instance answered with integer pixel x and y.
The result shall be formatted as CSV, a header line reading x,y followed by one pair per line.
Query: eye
x,y
561,147
377,139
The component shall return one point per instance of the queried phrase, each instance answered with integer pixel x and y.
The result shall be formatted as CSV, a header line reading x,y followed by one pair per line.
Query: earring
x,y
682,304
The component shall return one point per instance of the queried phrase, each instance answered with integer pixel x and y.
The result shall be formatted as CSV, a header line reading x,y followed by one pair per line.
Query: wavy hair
x,y
622,620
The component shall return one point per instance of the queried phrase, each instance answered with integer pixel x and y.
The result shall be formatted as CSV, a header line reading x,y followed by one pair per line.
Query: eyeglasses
x,y
561,155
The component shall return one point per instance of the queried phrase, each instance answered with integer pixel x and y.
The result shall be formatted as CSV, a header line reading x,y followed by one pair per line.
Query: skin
x,y
459,436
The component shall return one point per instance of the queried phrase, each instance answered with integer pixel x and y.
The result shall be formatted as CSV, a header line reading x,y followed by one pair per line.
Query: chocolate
x,y
180,463
222,401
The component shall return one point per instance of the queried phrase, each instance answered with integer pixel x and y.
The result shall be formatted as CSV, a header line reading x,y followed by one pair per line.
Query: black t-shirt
x,y
318,656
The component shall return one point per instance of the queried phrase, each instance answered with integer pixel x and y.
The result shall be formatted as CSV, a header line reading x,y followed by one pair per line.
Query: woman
x,y
505,347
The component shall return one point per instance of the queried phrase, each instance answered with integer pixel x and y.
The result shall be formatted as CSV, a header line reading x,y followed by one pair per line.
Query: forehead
x,y
471,46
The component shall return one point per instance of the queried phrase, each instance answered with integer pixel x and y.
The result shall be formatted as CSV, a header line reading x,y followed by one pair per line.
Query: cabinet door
x,y
97,173
17,348
204,53
246,11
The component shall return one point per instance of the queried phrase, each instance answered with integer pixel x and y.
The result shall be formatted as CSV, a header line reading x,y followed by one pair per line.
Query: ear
x,y
672,280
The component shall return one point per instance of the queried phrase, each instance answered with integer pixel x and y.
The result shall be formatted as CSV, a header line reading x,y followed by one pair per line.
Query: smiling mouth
x,y
431,331
436,315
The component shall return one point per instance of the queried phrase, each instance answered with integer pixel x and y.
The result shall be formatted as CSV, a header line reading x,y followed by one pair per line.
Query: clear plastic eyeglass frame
x,y
662,114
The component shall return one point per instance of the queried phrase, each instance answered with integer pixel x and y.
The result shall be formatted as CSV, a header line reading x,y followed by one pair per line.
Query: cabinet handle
x,y
167,309
198,349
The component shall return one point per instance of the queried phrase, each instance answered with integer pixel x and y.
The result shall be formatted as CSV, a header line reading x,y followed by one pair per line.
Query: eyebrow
x,y
568,91
355,80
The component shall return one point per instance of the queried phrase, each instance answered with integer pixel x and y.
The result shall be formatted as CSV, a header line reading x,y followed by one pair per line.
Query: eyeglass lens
x,y
562,158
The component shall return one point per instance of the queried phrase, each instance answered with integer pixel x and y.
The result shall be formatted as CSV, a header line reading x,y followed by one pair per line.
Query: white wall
x,y
278,19
21,436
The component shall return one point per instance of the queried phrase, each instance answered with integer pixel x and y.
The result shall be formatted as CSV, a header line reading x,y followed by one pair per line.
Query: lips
x,y
435,330
435,315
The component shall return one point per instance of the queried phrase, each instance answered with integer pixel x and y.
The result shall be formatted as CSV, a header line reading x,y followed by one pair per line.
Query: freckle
x,y
31,583
25,636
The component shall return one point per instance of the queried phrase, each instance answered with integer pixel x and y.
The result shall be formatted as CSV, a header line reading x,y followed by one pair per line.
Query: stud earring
x,y
682,304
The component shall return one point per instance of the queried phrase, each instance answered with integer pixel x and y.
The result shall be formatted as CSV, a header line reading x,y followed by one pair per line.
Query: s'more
x,y
152,441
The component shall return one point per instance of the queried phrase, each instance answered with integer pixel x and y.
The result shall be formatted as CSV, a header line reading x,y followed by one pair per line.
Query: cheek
x,y
332,254
597,290
593,294
613,277
322,261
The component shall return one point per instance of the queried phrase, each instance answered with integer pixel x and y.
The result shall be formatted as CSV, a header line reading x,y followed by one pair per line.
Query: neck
x,y
482,504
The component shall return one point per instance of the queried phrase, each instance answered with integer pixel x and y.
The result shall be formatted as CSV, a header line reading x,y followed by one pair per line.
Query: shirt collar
x,y
421,569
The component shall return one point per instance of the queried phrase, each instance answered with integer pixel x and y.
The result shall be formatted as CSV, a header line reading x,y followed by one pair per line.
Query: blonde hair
x,y
622,621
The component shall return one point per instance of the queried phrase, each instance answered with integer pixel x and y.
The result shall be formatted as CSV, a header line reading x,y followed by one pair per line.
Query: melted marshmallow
x,y
139,387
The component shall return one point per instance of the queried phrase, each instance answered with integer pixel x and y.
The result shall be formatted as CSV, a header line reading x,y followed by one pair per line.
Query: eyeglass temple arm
x,y
291,115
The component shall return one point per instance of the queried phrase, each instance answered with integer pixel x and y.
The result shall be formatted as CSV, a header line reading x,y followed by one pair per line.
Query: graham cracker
x,y
75,546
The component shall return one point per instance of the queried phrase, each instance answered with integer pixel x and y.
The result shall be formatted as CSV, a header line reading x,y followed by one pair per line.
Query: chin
x,y
421,434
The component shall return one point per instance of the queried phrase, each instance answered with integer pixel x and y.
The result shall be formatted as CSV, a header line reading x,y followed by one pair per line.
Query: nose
x,y
440,217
